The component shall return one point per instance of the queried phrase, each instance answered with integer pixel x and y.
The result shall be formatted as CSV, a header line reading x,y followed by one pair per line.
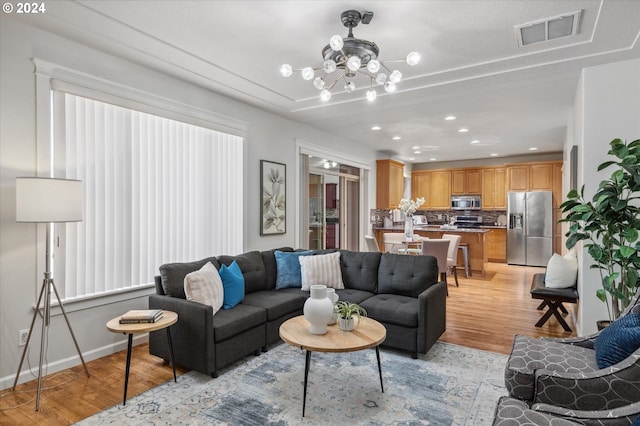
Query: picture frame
x,y
273,197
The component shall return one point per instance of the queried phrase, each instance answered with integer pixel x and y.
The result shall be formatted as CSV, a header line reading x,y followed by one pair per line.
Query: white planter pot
x,y
346,324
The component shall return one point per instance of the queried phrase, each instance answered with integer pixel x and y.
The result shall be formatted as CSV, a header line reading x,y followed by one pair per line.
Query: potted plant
x,y
347,312
610,224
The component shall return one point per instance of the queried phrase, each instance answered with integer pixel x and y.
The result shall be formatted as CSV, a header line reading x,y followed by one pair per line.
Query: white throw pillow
x,y
321,269
562,271
205,286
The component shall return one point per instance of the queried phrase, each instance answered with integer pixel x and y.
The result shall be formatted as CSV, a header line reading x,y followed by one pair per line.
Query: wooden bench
x,y
553,299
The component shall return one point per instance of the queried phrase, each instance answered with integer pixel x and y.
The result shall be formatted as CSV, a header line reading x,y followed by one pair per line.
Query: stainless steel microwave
x,y
466,202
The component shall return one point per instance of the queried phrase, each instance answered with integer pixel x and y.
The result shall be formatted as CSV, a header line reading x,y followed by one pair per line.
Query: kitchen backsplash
x,y
438,217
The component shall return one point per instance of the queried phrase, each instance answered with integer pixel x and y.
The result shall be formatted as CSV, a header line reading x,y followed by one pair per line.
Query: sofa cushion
x,y
616,342
288,269
360,270
530,354
393,309
270,266
172,275
406,275
252,267
353,295
321,269
277,303
231,322
233,285
205,286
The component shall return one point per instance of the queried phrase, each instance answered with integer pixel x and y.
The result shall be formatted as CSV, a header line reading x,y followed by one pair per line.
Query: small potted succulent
x,y
347,312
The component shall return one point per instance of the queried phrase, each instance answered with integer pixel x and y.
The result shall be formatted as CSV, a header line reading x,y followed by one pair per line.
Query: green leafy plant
x,y
609,225
348,310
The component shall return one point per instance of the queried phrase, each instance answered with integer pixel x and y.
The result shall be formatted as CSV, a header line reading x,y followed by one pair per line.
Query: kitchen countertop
x,y
434,228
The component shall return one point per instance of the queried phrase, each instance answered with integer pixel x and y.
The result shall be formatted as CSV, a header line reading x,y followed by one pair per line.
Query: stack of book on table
x,y
138,316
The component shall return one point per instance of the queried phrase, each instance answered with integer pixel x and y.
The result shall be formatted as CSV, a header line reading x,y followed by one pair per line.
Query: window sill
x,y
88,302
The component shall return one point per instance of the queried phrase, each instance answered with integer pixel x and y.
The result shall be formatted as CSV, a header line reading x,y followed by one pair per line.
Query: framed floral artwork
x,y
273,181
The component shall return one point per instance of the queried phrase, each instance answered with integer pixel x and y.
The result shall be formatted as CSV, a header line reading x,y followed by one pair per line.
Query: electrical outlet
x,y
22,337
439,217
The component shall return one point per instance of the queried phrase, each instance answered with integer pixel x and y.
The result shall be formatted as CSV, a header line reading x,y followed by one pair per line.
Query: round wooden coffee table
x,y
168,319
368,334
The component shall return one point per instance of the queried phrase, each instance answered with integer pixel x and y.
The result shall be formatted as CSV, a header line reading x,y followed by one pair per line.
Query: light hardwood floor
x,y
483,313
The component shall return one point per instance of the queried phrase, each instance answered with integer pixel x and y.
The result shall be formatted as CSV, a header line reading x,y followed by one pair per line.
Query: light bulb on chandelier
x,y
353,57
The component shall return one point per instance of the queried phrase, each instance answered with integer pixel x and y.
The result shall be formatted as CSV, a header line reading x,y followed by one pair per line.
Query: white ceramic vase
x,y
331,294
408,227
318,309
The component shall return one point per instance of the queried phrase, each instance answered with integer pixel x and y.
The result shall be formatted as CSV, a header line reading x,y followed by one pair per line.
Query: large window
x,y
156,190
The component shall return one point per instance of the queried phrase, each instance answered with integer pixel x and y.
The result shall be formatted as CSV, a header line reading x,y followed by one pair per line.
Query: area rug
x,y
450,385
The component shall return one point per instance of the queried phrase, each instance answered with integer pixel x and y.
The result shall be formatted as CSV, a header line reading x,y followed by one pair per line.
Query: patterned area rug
x,y
450,385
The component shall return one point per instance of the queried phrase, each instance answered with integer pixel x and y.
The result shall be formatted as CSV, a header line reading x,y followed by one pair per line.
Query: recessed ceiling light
x,y
463,130
475,141
376,128
450,117
415,147
533,148
396,138
417,152
494,155
432,159
411,158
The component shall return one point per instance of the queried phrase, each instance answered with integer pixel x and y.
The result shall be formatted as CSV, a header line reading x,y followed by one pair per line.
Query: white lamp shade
x,y
48,200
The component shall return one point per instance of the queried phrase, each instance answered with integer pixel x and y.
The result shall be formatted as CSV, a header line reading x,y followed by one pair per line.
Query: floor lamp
x,y
47,200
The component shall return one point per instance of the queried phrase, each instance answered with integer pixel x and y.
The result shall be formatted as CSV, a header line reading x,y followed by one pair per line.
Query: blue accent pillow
x,y
288,272
233,285
616,342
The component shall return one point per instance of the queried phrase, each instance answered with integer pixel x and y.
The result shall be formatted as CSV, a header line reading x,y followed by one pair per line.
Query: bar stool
x,y
465,255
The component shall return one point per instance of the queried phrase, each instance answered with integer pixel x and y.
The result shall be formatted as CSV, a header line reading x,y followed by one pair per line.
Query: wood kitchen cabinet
x,y
465,182
500,195
556,185
421,187
434,186
440,190
540,177
458,182
497,245
494,194
474,181
518,178
389,184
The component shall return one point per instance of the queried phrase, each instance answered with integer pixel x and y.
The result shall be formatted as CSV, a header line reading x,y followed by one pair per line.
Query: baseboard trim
x,y
65,363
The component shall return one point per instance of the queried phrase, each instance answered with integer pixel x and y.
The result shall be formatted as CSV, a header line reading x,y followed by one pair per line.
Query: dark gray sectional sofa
x,y
401,292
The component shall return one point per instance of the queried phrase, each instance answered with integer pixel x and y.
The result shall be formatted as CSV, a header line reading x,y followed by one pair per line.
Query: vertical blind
x,y
156,190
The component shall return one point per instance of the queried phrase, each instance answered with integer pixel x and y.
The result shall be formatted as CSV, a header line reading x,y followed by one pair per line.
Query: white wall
x,y
606,106
269,137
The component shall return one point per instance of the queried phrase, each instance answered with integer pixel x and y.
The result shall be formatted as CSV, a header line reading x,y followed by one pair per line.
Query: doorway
x,y
334,205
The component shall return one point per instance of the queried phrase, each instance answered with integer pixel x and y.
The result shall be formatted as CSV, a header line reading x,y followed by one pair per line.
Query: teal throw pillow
x,y
616,342
233,285
288,272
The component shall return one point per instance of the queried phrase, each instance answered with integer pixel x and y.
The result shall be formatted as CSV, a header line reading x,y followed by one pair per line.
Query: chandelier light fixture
x,y
351,56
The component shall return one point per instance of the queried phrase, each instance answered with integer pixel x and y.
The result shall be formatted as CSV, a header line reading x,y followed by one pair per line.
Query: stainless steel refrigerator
x,y
529,228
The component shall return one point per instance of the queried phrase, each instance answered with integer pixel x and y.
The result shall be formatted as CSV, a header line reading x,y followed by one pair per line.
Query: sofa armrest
x,y
192,335
432,308
584,341
602,389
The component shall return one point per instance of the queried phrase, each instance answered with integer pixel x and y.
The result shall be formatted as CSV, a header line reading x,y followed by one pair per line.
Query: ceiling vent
x,y
548,29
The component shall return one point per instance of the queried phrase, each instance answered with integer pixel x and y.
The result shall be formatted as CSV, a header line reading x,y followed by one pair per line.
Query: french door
x,y
334,206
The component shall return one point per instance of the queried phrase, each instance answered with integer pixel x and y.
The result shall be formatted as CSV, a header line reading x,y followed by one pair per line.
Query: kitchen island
x,y
476,239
